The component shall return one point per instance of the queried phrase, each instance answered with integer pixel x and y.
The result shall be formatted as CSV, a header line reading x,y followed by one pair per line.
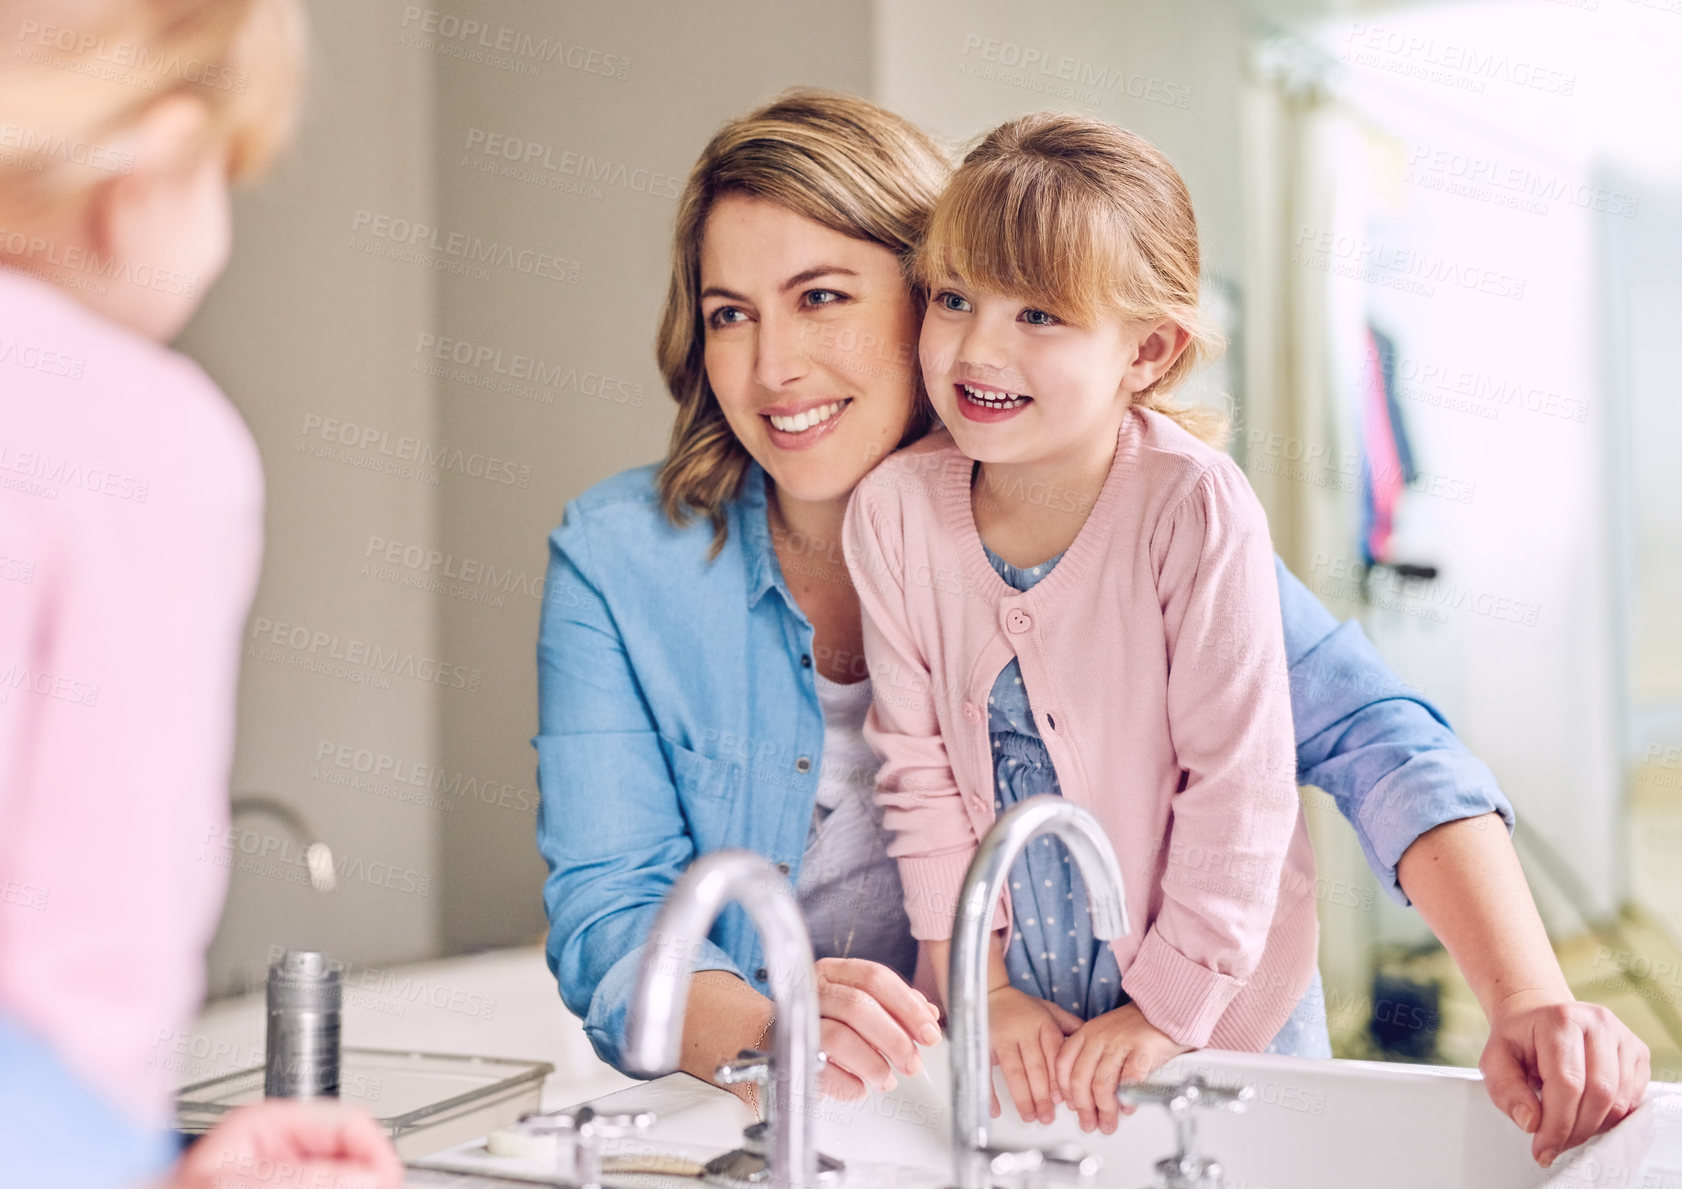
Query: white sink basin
x,y
1312,1125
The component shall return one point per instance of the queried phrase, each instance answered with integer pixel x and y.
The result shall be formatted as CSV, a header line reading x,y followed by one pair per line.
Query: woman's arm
x,y
613,834
609,824
1466,882
1435,829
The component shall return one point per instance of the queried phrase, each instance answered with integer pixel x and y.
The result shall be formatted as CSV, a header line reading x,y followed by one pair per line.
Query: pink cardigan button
x,y
972,712
1019,621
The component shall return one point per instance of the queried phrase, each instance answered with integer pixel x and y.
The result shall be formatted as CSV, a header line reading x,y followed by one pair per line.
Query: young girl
x,y
130,537
1071,590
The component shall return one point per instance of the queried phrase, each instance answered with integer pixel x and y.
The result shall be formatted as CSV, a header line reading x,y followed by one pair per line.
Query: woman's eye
x,y
725,316
951,301
1039,318
822,297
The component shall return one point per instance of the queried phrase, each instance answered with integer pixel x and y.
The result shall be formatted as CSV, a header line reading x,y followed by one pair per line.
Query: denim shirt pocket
x,y
700,777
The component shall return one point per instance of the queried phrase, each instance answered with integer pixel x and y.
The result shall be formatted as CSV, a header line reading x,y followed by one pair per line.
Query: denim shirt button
x,y
805,660
782,868
761,975
803,764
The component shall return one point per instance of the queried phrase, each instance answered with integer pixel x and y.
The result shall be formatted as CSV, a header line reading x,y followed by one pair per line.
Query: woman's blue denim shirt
x,y
678,715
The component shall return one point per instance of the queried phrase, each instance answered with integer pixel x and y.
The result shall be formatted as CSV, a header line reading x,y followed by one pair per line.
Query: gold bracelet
x,y
759,1046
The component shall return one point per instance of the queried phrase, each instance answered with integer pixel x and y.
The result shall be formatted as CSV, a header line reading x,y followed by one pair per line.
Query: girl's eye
x,y
1039,318
725,316
951,301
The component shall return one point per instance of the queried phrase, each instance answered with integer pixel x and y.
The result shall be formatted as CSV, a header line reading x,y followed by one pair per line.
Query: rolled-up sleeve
x,y
609,823
1375,745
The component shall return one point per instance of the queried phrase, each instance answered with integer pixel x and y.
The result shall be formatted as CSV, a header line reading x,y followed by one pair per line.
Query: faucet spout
x,y
967,985
655,1030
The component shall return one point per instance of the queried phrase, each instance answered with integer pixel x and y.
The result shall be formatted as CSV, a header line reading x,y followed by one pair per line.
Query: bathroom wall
x,y
311,334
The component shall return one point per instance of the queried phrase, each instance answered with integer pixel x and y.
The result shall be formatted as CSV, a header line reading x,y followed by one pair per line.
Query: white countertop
x,y
502,1003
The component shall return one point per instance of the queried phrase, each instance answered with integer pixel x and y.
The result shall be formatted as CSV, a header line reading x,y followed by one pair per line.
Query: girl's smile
x,y
982,402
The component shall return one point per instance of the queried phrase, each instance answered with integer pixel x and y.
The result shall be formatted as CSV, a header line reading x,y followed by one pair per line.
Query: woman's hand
x,y
1118,1046
872,1023
284,1143
1591,1069
1026,1034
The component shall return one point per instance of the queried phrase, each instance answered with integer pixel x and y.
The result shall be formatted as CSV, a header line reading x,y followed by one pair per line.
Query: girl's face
x,y
809,337
1014,384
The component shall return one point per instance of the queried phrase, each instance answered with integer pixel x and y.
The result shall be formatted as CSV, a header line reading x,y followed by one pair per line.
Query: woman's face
x,y
810,344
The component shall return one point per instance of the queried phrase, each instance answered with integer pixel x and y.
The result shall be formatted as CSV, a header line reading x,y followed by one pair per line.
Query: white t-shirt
x,y
849,887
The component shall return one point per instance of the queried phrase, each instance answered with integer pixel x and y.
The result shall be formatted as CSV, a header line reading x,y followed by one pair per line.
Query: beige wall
x,y
1167,71
304,327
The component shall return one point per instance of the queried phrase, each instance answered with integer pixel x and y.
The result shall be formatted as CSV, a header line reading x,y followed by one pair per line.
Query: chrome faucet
x,y
655,1029
318,857
971,935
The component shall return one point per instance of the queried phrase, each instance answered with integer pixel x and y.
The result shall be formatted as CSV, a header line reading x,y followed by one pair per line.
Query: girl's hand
x,y
1026,1035
1116,1047
872,1024
282,1142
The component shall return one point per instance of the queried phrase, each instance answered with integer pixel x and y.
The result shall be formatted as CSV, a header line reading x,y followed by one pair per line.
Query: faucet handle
x,y
588,1130
1062,1163
1070,1160
1027,1165
1190,1094
749,1065
1185,1169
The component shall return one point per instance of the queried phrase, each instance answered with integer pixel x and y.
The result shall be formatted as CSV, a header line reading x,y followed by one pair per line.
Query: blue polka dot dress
x,y
1053,953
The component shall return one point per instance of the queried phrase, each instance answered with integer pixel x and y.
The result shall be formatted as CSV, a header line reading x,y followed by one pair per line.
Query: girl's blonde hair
x,y
836,159
1084,220
77,75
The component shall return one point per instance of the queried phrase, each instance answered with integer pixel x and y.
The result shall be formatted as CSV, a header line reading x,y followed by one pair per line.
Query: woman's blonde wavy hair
x,y
77,75
836,159
1084,220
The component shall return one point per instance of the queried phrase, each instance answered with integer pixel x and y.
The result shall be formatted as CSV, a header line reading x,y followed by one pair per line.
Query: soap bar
x,y
517,1144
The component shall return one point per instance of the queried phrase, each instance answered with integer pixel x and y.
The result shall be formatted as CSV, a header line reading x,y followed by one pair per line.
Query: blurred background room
x,y
1445,241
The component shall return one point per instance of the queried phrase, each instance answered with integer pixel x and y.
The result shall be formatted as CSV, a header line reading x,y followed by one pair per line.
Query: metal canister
x,y
302,1055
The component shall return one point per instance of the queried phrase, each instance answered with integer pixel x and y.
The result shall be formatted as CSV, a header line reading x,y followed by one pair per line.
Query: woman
x,y
701,680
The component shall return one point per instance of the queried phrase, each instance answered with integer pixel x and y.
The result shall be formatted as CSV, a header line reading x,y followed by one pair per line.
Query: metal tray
x,y
425,1101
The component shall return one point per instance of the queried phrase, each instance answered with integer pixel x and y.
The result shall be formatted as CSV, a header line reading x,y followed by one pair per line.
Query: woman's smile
x,y
799,426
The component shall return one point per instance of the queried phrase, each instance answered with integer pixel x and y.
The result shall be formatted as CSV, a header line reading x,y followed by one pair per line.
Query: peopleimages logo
x,y
516,373
304,642
103,57
1412,270
547,158
409,240
55,144
503,47
368,444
